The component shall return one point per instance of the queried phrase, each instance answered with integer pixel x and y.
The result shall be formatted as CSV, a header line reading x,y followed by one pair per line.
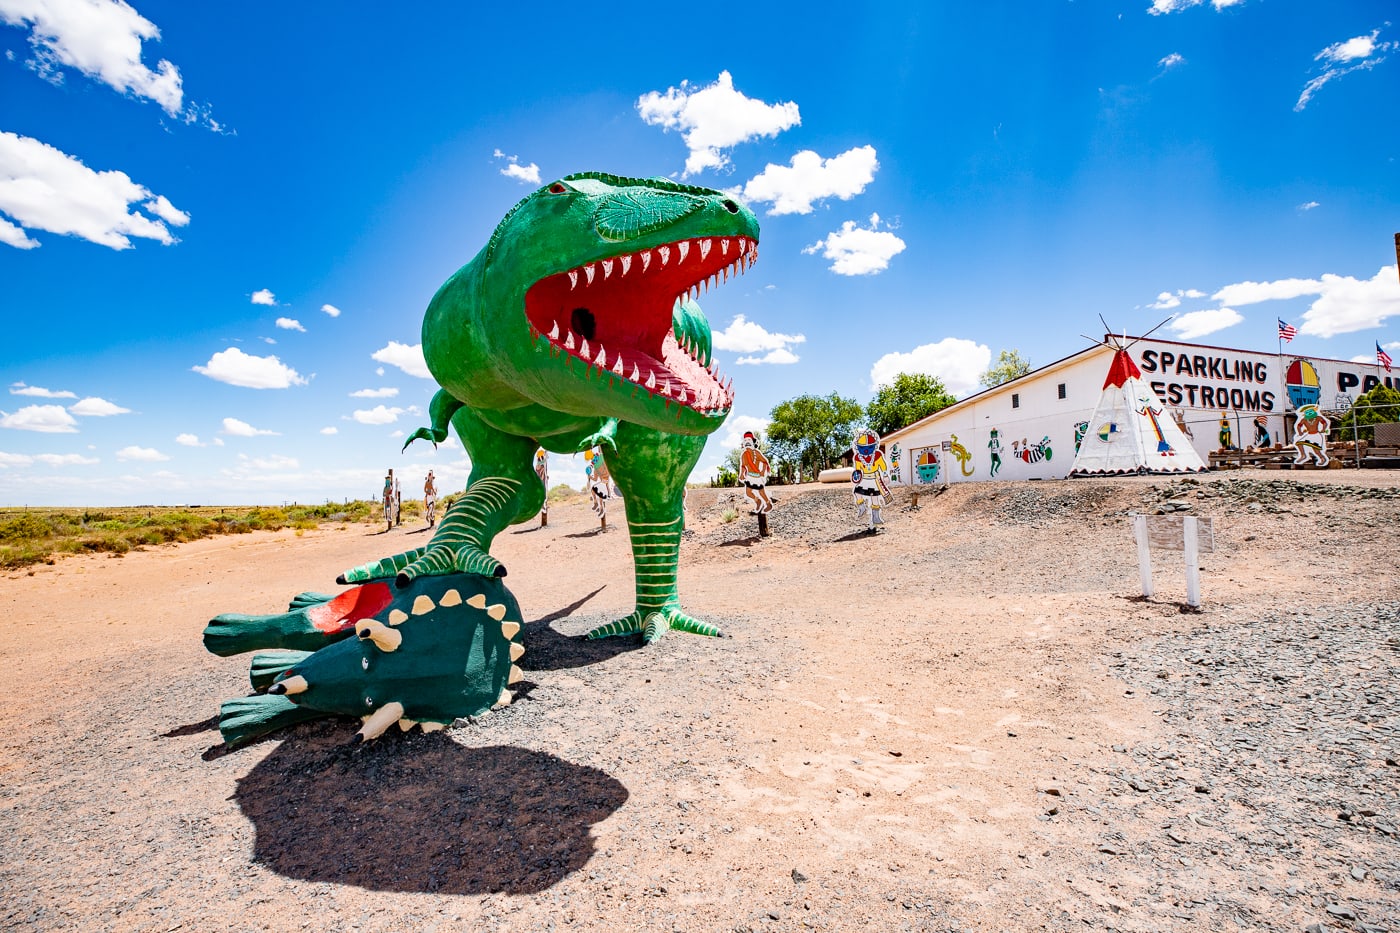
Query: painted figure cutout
x,y
1227,439
1261,432
1310,436
1024,451
599,483
964,457
1179,416
753,473
542,471
894,465
994,447
1081,428
868,477
1151,414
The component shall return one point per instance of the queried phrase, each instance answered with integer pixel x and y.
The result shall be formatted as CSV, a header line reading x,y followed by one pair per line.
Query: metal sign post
x,y
1186,533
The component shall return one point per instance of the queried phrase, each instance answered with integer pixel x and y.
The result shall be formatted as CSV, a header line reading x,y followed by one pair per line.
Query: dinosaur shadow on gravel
x,y
547,649
420,813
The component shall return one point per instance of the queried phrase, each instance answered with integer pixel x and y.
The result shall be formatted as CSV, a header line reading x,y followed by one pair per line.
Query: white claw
x,y
682,247
569,341
554,333
704,248
381,719
573,279
665,253
607,268
626,264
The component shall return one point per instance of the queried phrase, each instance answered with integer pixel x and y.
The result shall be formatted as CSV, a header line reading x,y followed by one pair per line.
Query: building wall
x,y
1199,386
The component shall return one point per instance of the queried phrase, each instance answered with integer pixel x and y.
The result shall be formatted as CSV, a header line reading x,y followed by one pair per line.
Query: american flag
x,y
1286,332
1382,357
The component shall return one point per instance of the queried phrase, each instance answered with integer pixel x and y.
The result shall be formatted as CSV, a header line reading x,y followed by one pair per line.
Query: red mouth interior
x,y
616,314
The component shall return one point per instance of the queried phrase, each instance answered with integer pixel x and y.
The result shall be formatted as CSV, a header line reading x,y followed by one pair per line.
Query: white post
x,y
1144,553
1193,567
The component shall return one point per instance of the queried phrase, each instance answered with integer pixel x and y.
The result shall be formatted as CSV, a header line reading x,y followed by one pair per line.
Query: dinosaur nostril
x,y
583,323
730,206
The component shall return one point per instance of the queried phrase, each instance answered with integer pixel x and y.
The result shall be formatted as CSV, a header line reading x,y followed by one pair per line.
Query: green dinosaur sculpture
x,y
575,326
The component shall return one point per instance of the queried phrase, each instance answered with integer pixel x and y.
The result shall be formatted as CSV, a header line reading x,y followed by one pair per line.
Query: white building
x,y
1028,428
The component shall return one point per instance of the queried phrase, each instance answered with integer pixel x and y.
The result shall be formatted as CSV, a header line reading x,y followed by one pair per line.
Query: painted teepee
x,y
1129,432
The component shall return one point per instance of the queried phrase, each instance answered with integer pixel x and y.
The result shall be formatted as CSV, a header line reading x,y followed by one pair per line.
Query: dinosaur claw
x,y
341,580
380,720
289,686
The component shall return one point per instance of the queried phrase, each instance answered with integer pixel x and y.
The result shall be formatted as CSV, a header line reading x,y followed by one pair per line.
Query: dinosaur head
x,y
588,288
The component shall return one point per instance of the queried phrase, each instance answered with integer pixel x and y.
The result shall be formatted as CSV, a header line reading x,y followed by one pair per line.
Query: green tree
x,y
809,432
910,397
1379,405
1009,365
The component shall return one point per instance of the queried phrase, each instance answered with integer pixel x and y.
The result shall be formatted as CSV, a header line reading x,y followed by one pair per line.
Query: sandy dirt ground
x,y
971,721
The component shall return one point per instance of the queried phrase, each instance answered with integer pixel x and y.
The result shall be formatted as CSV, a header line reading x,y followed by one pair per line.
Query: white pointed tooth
x,y
573,279
554,333
665,253
583,348
569,341
683,247
726,273
743,245
607,268
617,365
651,380
626,264
589,272
666,390
636,374
646,259
705,248
724,246
682,397
601,357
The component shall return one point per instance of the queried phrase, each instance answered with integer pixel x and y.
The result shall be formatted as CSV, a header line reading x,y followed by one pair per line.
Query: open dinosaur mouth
x,y
615,314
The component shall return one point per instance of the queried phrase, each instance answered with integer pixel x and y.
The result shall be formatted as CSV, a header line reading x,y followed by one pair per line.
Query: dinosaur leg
x,y
503,489
651,468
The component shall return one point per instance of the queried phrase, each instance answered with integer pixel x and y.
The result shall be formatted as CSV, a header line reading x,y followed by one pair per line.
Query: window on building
x,y
1062,390
1015,400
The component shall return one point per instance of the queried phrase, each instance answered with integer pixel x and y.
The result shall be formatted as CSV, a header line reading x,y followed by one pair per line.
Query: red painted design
x,y
1122,369
350,607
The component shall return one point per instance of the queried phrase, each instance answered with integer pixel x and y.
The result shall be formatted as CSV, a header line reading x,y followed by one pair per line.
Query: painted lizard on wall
x,y
576,326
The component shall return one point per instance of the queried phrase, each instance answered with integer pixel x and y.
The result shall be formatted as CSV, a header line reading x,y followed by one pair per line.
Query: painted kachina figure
x,y
753,474
1227,439
390,500
1310,436
868,478
894,465
1262,437
599,484
542,471
1152,414
1179,417
994,448
1081,428
430,499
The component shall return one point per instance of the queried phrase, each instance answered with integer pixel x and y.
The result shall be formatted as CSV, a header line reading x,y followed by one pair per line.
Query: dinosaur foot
x,y
652,625
437,559
441,648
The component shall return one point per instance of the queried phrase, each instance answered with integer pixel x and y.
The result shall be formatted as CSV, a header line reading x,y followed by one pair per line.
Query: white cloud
x,y
66,460
143,454
1167,300
1200,323
386,392
1344,304
269,463
1159,7
46,419
858,250
1168,62
236,428
731,433
409,359
45,189
14,236
779,357
332,310
252,372
378,415
1364,50
1309,205
714,118
20,388
330,430
100,38
957,363
188,440
287,323
746,336
792,188
166,211
1362,358
527,173
264,296
93,407
8,460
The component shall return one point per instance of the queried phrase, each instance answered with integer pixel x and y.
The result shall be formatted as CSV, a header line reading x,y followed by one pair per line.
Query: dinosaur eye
x,y
557,188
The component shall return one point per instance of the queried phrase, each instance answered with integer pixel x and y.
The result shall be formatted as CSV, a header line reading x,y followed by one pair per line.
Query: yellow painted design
x,y
509,629
496,611
423,605
398,617
478,601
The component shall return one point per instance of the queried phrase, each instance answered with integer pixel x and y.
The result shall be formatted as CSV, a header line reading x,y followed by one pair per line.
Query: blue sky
x,y
220,224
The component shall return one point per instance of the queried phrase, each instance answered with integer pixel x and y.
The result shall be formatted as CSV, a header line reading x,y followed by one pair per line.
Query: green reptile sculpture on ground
x,y
575,326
